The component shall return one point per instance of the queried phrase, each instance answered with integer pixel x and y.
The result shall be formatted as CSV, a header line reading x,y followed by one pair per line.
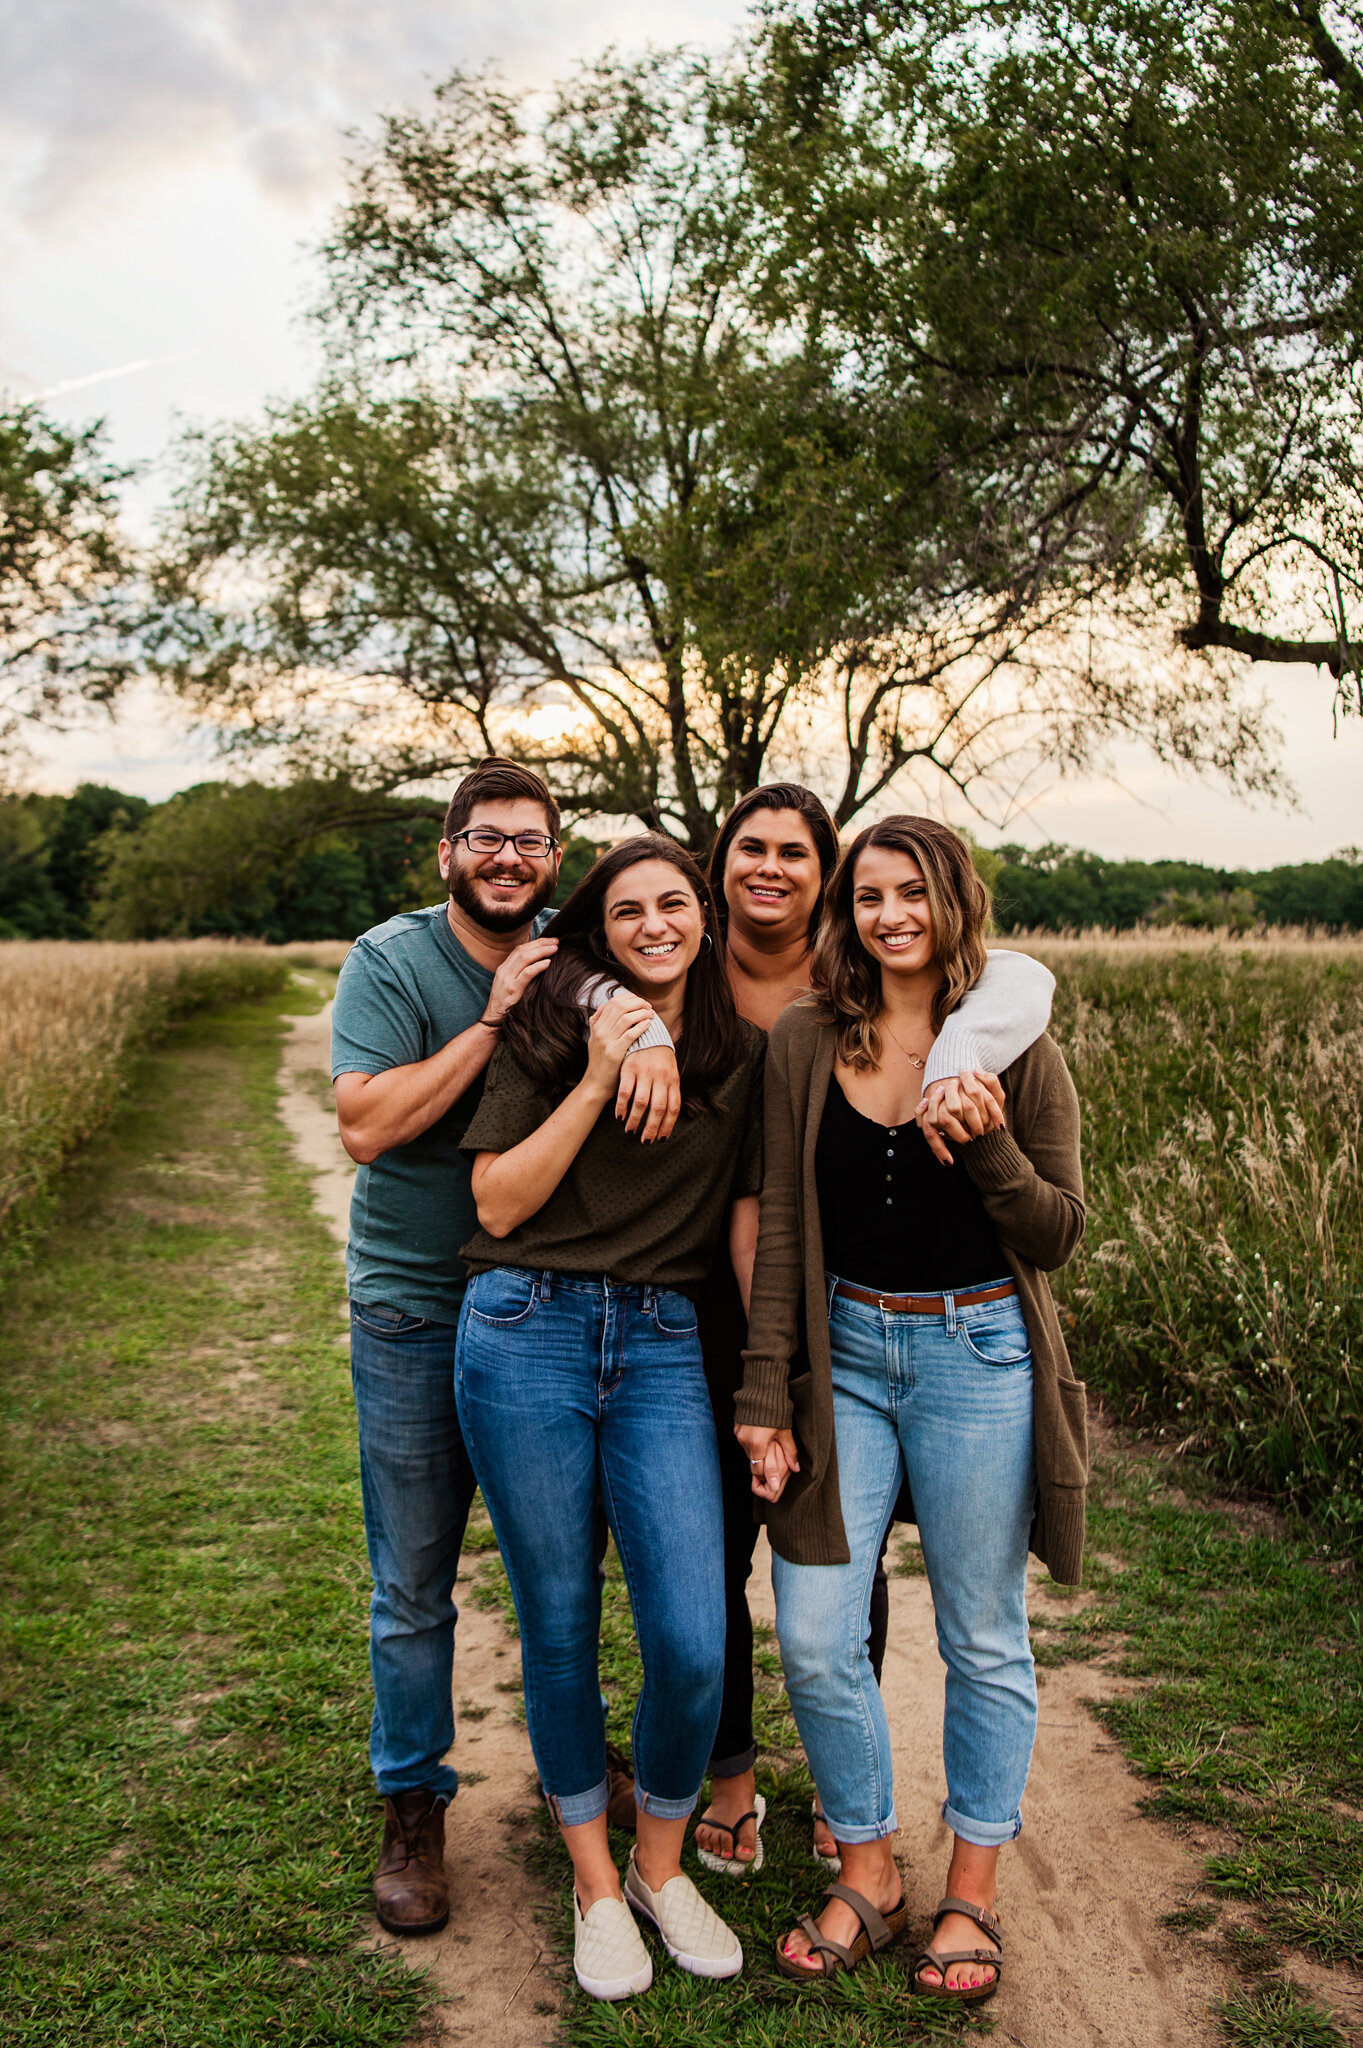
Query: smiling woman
x,y
579,1373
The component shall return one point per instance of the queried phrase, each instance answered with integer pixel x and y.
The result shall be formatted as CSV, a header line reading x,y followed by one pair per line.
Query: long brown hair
x,y
544,1031
776,796
848,979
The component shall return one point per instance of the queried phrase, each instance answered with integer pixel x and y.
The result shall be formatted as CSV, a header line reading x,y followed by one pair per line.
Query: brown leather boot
x,y
411,1892
621,1811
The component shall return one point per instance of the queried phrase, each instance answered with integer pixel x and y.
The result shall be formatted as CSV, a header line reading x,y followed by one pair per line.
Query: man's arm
x,y
377,1112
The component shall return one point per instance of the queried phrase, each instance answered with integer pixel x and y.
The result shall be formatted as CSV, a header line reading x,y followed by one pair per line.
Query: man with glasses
x,y
414,1026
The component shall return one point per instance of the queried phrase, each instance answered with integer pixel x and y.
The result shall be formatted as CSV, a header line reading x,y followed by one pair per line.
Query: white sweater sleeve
x,y
600,991
1006,1011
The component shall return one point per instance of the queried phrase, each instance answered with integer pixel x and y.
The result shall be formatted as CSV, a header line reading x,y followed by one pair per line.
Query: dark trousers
x,y
723,1333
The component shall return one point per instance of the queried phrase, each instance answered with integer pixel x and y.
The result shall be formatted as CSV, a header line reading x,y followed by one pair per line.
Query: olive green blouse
x,y
650,1214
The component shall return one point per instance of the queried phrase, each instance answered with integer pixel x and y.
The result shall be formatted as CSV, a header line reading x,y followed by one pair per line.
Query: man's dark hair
x,y
499,781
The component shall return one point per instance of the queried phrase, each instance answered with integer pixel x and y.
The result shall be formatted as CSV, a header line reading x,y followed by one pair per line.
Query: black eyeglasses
x,y
486,839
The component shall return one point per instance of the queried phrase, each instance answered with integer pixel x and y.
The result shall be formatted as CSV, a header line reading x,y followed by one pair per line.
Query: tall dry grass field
x,y
1219,1294
71,1016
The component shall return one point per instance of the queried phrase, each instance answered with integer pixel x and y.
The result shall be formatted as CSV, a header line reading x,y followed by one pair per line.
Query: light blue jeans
x,y
947,1401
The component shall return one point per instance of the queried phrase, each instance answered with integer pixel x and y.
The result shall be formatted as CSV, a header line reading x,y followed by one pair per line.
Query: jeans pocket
x,y
994,1338
503,1297
673,1314
382,1320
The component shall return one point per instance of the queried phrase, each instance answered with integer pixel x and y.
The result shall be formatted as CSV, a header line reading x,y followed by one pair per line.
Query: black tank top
x,y
894,1218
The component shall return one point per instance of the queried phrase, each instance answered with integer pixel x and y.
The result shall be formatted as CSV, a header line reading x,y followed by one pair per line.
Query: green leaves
x,y
65,572
1125,246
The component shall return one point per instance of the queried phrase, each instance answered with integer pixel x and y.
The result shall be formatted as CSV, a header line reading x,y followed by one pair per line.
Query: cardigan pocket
x,y
1073,1439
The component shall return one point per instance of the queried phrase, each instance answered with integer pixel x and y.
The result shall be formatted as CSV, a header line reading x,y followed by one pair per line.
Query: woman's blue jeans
x,y
946,1400
570,1388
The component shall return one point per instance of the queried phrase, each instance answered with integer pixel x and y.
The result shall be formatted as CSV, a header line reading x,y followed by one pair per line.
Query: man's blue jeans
x,y
570,1387
418,1487
946,1400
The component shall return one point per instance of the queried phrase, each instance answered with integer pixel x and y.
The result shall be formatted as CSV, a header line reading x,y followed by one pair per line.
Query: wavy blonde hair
x,y
847,979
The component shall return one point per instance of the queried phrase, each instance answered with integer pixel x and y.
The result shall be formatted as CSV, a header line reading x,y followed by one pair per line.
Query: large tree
x,y
572,488
1124,241
65,617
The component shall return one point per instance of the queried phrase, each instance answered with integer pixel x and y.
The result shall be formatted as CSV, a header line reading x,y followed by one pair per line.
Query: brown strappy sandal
x,y
989,1958
878,1930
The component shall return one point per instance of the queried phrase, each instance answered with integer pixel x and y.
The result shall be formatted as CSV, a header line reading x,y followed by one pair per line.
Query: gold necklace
x,y
911,1057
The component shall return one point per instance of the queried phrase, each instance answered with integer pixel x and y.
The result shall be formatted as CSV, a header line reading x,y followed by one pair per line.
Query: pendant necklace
x,y
911,1057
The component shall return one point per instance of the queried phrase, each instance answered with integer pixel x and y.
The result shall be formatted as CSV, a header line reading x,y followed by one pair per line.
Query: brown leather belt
x,y
923,1304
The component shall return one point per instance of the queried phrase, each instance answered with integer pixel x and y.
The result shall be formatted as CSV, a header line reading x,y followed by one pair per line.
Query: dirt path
x,y
490,1966
1083,1891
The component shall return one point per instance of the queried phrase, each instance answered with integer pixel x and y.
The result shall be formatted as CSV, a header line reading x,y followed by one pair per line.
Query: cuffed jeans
x,y
418,1486
569,1387
946,1401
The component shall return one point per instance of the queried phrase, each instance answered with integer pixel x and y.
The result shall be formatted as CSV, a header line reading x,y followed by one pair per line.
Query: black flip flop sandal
x,y
735,1865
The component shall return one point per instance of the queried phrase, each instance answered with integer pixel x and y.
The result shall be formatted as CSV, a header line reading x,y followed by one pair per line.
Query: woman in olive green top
x,y
579,1373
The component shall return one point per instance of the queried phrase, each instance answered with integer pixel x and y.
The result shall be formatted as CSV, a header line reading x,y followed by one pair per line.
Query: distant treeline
x,y
244,860
1059,888
102,864
221,860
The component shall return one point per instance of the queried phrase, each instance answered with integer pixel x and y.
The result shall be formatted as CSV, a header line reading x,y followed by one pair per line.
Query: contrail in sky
x,y
122,370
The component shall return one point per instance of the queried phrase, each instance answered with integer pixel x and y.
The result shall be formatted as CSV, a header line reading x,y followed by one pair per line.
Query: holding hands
x,y
962,1107
772,1457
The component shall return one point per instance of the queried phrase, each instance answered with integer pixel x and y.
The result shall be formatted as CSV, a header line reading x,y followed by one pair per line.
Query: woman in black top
x,y
923,1372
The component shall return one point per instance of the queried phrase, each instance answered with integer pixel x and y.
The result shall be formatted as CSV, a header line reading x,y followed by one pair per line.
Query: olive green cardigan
x,y
1029,1176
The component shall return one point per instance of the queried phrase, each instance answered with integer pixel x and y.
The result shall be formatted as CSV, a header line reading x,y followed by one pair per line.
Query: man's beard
x,y
464,893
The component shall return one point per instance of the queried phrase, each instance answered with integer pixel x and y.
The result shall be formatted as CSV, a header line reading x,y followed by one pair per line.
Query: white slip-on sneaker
x,y
693,1934
609,1957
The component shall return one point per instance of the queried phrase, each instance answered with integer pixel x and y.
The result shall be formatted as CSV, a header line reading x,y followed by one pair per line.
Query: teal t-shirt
x,y
406,989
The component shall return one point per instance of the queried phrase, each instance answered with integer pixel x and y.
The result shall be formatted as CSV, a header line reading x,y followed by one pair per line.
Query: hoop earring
x,y
706,940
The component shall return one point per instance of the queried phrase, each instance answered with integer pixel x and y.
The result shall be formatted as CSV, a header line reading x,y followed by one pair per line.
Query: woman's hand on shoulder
x,y
614,1028
962,1107
772,1457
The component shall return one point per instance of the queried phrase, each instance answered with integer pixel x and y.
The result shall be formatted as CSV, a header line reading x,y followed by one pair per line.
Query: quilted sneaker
x,y
609,1957
693,1934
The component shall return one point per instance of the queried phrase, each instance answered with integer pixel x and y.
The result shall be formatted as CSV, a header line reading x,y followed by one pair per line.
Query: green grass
x,y
1276,2016
1219,1295
185,1809
1250,1720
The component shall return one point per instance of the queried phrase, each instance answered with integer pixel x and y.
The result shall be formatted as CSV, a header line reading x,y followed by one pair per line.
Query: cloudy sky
x,y
164,167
